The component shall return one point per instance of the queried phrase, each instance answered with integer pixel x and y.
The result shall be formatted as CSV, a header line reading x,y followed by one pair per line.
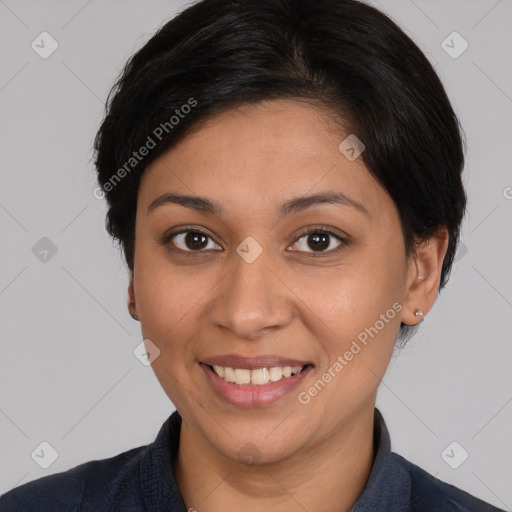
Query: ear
x,y
131,298
424,276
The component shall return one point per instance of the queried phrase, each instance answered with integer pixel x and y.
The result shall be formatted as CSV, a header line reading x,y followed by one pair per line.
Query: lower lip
x,y
251,395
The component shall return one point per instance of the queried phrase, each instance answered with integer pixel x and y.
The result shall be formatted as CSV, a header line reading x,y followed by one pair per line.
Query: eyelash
x,y
317,230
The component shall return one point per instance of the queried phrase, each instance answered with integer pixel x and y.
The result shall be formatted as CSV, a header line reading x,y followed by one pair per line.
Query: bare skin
x,y
294,300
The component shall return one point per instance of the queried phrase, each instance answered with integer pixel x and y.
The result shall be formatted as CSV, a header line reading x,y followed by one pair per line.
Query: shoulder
x,y
91,486
429,493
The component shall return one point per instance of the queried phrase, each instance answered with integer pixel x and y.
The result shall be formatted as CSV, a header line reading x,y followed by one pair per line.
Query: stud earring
x,y
418,312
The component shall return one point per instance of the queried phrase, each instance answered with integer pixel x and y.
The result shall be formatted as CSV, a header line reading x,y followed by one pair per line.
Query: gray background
x,y
68,373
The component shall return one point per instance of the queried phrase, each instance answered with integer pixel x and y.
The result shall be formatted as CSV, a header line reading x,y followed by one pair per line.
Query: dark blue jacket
x,y
142,480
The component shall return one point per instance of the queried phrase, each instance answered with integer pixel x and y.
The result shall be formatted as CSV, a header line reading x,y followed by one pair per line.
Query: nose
x,y
252,299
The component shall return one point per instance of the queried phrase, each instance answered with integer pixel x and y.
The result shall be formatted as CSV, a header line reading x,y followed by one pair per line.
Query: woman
x,y
284,177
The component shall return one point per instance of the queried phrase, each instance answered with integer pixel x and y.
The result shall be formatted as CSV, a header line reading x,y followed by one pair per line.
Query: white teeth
x,y
229,374
242,376
275,373
258,377
219,370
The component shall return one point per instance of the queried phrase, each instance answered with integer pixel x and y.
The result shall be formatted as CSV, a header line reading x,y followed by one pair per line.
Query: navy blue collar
x,y
389,486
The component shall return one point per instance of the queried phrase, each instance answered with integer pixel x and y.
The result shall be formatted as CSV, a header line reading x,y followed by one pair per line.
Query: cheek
x,y
168,303
363,321
360,304
167,298
354,296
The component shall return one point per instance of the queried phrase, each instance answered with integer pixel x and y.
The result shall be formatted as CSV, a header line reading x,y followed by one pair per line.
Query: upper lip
x,y
254,362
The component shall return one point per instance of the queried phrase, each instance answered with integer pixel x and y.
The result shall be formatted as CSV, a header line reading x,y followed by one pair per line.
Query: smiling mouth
x,y
256,376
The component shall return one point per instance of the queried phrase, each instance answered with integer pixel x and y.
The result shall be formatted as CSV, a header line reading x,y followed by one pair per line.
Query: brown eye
x,y
190,241
320,241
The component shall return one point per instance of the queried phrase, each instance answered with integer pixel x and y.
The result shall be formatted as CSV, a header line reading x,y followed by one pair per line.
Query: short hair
x,y
342,55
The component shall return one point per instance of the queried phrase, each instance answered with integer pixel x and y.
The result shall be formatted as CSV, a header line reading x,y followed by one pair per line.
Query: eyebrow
x,y
297,204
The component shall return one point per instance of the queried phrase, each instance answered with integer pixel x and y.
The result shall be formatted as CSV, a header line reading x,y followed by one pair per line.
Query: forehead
x,y
257,155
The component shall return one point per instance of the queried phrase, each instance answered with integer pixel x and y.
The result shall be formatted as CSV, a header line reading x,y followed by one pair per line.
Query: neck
x,y
326,477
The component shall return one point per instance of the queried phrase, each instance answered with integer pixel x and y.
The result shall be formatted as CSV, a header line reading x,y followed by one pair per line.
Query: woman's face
x,y
256,291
